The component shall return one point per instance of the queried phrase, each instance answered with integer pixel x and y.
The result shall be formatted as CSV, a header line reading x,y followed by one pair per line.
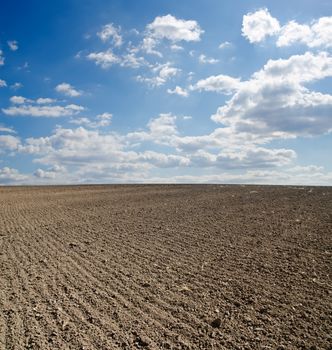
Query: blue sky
x,y
166,91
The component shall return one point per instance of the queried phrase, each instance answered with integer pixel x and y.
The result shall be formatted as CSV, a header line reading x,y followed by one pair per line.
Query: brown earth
x,y
165,267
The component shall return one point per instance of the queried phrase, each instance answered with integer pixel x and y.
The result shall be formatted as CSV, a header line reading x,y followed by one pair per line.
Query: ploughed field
x,y
166,267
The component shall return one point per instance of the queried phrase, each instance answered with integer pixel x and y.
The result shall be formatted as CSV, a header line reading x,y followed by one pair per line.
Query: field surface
x,y
165,267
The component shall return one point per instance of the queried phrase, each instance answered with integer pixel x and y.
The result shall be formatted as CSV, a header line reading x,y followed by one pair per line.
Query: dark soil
x,y
166,267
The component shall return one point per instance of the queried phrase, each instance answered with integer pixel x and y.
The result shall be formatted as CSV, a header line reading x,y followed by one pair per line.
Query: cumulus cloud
x,y
94,155
11,176
13,45
109,31
128,58
45,100
316,34
170,28
39,108
7,129
97,155
275,100
162,126
274,103
218,83
175,47
207,60
132,61
293,32
104,59
223,148
16,86
101,120
297,68
104,119
178,91
163,72
256,26
2,59
68,90
40,173
173,29
281,177
2,83
224,45
91,153
260,24
18,99
163,27
9,142
161,160
149,46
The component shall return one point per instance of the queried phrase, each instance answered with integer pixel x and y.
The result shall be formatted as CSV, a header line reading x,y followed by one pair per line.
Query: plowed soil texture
x,y
165,267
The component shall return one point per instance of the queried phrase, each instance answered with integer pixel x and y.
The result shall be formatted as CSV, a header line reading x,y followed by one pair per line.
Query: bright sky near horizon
x,y
199,91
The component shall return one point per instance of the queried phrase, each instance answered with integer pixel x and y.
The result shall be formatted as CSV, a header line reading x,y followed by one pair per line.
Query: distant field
x,y
166,267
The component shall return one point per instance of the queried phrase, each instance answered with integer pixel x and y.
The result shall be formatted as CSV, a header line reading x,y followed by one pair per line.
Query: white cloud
x,y
7,129
109,31
281,177
149,44
175,47
13,45
2,59
2,83
297,68
40,173
101,120
16,86
9,142
178,91
160,130
218,83
25,66
105,59
132,61
42,110
242,158
275,103
161,160
18,99
321,32
162,126
45,100
174,29
104,119
83,121
68,90
225,45
92,155
292,33
11,176
316,34
203,59
258,25
164,73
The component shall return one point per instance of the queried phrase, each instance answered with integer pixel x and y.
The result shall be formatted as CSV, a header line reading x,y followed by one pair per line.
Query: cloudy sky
x,y
119,91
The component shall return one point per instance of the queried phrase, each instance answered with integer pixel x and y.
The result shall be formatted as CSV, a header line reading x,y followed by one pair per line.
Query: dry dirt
x,y
165,267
